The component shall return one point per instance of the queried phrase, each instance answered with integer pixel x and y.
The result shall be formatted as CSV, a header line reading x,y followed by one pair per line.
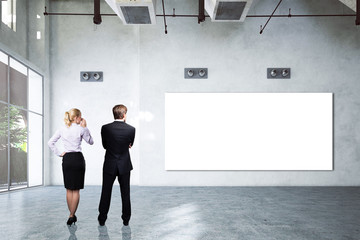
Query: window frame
x,y
28,111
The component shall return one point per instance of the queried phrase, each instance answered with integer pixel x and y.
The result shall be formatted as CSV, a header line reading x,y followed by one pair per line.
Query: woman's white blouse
x,y
71,138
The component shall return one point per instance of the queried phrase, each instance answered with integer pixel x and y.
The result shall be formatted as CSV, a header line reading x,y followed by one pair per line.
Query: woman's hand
x,y
83,123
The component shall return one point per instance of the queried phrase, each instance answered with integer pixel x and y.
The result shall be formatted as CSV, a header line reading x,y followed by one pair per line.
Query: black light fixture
x,y
196,73
91,76
278,73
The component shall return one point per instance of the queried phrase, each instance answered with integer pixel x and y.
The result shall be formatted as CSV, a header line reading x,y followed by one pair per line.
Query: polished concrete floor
x,y
186,213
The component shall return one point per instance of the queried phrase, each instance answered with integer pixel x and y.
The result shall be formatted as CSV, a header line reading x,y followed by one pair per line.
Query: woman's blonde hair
x,y
70,116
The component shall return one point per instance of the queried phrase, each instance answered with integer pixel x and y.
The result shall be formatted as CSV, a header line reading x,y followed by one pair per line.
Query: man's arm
x,y
103,137
132,139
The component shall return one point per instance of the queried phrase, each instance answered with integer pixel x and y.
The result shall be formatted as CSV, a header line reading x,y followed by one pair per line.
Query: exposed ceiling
x,y
143,11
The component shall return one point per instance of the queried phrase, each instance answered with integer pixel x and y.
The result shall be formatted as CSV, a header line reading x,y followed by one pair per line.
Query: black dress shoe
x,y
126,222
101,222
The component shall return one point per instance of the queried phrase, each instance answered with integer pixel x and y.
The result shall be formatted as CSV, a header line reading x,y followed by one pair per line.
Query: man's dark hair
x,y
119,111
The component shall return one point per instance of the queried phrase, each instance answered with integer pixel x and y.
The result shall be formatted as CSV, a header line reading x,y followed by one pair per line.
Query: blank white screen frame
x,y
248,131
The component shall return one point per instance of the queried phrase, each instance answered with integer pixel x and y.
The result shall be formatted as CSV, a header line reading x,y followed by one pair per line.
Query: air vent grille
x,y
136,15
229,10
140,12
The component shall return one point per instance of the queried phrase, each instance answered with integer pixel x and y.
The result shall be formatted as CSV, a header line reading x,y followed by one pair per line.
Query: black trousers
x,y
108,182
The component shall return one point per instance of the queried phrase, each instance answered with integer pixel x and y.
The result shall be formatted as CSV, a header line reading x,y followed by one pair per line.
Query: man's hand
x,y
62,154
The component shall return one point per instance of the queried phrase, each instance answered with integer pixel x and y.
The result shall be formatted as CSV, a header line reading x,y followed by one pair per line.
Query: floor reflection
x,y
72,229
184,213
103,233
126,233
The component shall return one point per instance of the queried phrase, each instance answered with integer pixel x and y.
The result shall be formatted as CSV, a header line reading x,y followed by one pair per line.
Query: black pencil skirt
x,y
73,166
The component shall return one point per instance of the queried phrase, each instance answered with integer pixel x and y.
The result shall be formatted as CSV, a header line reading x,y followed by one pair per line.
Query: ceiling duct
x,y
350,3
134,11
227,10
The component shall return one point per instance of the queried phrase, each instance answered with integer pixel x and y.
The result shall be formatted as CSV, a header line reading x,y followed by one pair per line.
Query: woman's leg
x,y
72,199
69,197
75,201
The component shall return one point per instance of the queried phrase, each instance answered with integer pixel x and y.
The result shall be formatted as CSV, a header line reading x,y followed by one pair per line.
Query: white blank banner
x,y
248,131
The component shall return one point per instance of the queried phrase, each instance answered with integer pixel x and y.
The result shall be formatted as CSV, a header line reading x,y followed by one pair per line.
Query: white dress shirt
x,y
71,138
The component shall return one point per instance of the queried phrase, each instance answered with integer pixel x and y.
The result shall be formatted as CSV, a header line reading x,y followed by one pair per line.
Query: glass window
x,y
3,77
3,147
21,125
3,58
35,92
35,149
8,13
18,147
18,84
18,66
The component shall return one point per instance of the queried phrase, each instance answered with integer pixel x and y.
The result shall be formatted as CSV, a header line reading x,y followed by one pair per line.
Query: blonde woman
x,y
73,163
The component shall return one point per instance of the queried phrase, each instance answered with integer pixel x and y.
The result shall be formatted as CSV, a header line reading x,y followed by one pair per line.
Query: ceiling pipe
x,y
261,27
201,17
163,5
97,15
357,21
46,13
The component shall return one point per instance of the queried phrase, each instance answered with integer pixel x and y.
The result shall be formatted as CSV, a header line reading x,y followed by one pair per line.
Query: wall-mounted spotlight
x,y
273,73
285,72
195,73
96,76
278,73
91,76
202,72
85,76
190,73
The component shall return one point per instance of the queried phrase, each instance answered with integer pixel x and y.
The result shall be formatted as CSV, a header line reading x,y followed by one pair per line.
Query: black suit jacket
x,y
116,138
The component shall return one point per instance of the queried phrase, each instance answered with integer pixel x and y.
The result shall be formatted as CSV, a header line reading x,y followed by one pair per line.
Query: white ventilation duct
x,y
134,11
227,10
350,3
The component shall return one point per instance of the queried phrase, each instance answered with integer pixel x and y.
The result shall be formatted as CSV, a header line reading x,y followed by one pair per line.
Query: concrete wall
x,y
141,63
17,41
78,45
23,43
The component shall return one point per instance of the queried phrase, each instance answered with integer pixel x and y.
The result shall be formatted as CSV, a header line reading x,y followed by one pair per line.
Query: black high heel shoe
x,y
71,220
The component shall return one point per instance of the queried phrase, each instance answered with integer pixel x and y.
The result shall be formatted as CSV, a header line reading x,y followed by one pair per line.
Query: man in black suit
x,y
117,138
